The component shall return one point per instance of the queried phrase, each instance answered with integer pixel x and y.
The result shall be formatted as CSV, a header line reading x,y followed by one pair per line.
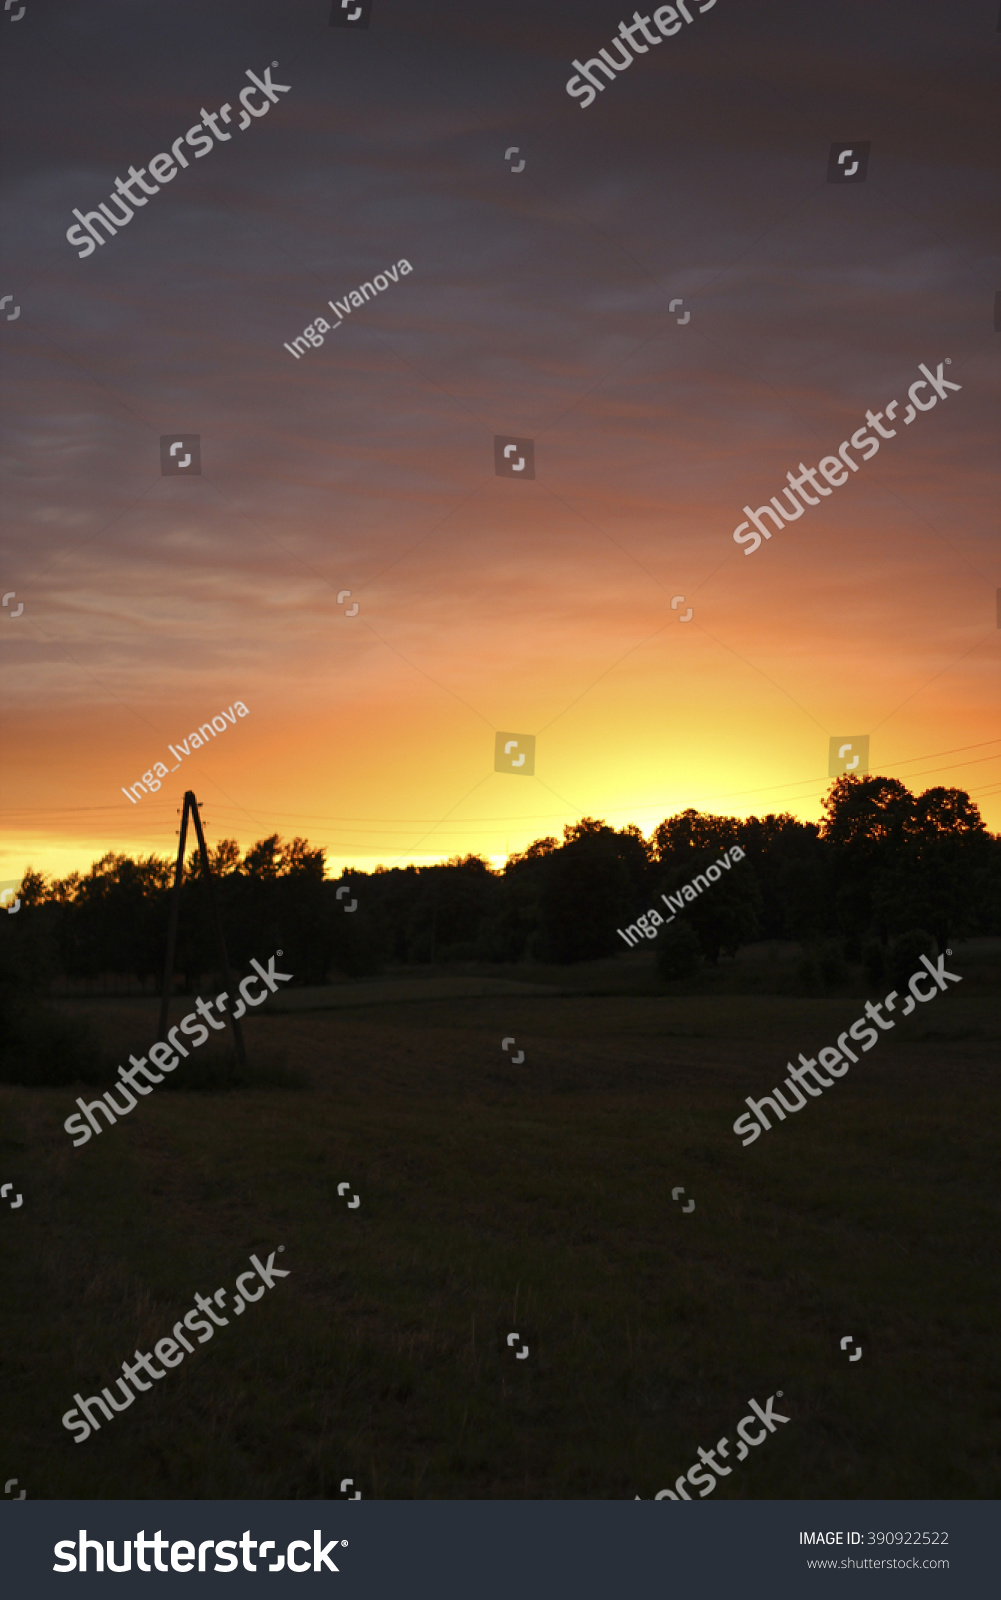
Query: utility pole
x,y
191,809
434,914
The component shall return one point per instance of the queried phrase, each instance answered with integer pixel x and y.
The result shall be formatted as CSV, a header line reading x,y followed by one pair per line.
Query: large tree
x,y
725,915
940,877
907,861
597,879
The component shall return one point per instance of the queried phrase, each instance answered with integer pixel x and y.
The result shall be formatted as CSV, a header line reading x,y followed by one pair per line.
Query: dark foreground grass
x,y
535,1199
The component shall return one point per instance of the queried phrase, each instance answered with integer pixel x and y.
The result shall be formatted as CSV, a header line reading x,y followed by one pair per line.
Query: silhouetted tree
x,y
677,840
588,886
725,915
884,863
940,877
906,861
793,874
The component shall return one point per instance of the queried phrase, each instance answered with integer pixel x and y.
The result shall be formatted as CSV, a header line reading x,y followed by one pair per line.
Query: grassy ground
x,y
533,1198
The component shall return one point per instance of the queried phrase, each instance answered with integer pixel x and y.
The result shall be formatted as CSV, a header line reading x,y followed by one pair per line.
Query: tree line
x,y
883,863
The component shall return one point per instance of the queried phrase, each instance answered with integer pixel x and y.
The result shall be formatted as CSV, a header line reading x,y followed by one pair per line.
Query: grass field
x,y
533,1198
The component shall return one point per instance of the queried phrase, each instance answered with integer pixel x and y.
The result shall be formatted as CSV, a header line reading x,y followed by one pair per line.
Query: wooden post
x,y
231,989
191,809
175,907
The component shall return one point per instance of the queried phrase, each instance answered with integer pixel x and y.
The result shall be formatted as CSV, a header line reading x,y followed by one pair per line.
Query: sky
x,y
668,298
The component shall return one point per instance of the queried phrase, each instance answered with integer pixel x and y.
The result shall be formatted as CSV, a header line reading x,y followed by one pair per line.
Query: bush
x,y
874,962
355,947
39,1047
679,953
217,1072
822,967
905,956
808,975
832,964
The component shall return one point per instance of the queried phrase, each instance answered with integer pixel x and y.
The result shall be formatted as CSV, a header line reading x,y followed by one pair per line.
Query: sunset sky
x,y
538,306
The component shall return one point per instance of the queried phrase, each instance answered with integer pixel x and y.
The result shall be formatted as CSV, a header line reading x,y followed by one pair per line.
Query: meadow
x,y
531,1198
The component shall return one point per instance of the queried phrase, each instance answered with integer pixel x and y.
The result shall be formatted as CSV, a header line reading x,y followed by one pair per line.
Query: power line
x,y
401,826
